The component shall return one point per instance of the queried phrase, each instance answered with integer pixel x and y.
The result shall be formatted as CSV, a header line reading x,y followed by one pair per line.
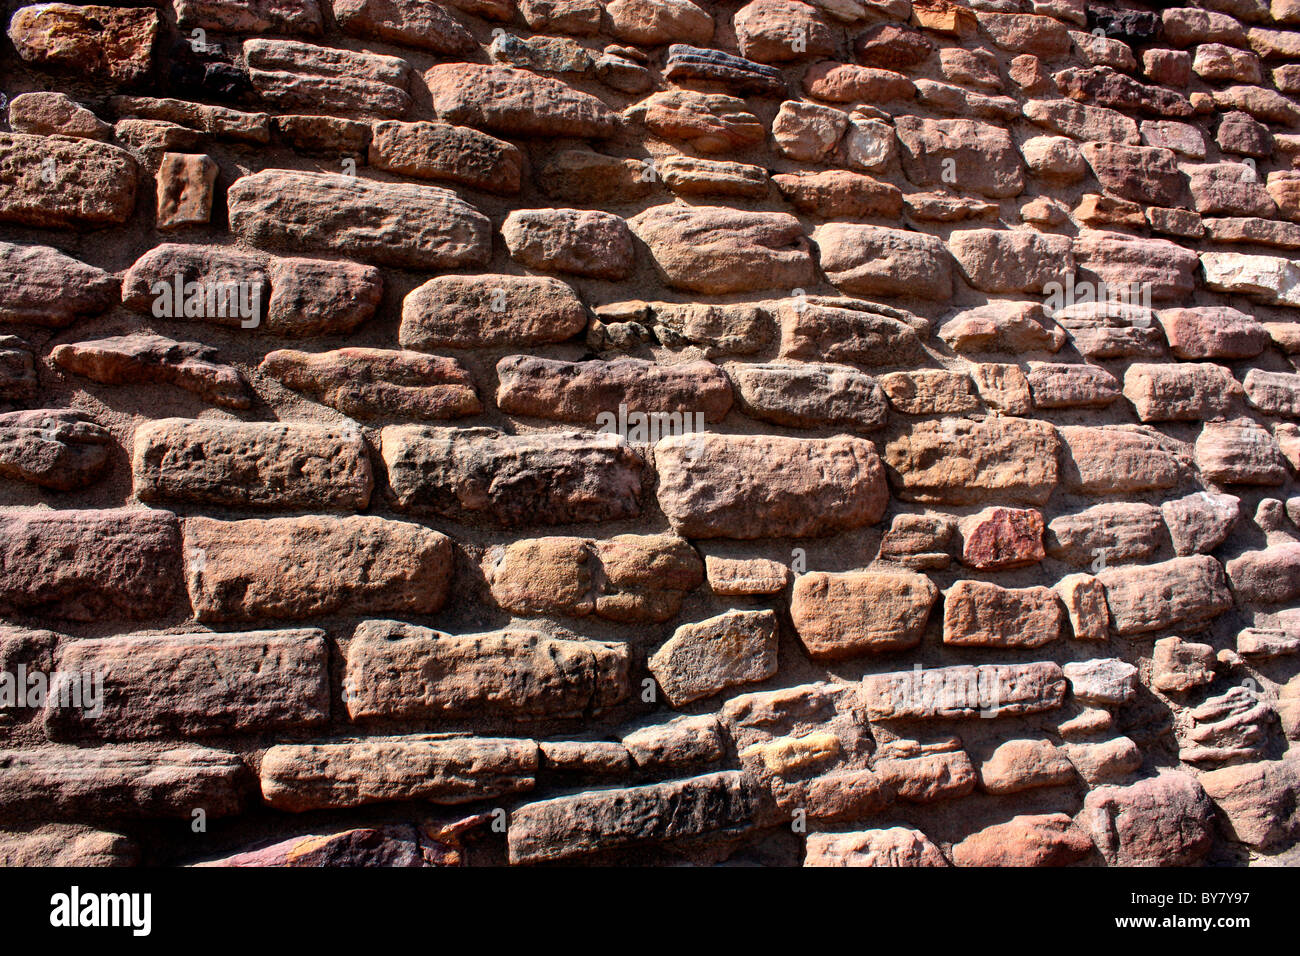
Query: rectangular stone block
x,y
482,474
960,461
1184,591
609,819
130,781
300,76
395,224
87,565
191,685
989,690
981,614
293,568
57,182
434,768
400,671
765,486
252,464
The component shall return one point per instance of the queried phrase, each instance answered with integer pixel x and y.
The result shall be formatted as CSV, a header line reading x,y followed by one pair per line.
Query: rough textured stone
x,y
163,687
1187,391
876,260
893,846
45,114
860,612
715,250
1185,591
251,464
444,152
989,690
805,395
740,486
291,75
516,102
372,383
398,671
437,769
980,614
1051,839
1119,459
99,42
1161,821
63,182
703,658
966,462
978,156
481,473
398,224
487,310
1239,452
358,564
1106,534
54,448
86,565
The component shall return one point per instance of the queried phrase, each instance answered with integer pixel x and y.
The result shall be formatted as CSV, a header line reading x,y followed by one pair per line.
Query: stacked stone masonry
x,y
827,433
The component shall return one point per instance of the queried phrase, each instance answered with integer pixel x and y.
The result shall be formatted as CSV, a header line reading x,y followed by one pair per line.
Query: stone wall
x,y
507,431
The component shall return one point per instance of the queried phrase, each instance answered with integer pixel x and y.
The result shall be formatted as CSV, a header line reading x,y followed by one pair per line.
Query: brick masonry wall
x,y
508,431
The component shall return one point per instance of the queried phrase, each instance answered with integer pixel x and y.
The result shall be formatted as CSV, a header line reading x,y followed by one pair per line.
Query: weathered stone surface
x,y
980,614
45,114
1200,522
1106,681
980,157
582,823
1082,121
488,310
687,62
300,76
715,250
860,612
358,564
1161,821
1182,392
98,42
1084,598
516,102
87,565
1233,726
64,182
1258,801
141,358
1118,459
405,22
687,176
995,260
836,193
1056,385
1183,592
481,473
398,671
627,578
766,31
186,185
397,224
1050,839
1111,533
1109,761
709,122
1228,189
164,687
251,464
808,132
742,486
893,846
989,690
804,395
653,22
1271,279
60,844
1268,576
54,448
926,772
1163,269
870,143
1002,538
1111,330
847,330
876,260
219,121
1239,452
370,383
1142,174
930,391
703,658
1026,33
680,742
1274,393
1178,665
735,576
251,16
1105,87
1056,158
1025,764
849,83
1002,326
581,242
441,151
123,781
588,392
436,769
961,461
